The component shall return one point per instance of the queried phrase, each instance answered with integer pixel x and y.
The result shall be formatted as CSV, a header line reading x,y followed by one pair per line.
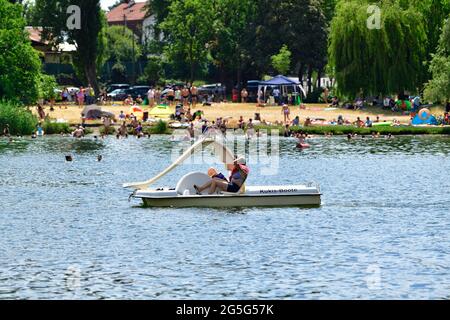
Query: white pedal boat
x,y
184,194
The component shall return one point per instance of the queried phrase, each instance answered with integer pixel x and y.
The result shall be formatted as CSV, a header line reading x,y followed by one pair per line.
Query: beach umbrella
x,y
136,109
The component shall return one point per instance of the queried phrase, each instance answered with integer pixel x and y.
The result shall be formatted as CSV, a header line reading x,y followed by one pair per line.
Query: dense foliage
x,y
376,61
20,120
19,62
438,89
231,41
235,39
281,62
121,46
60,26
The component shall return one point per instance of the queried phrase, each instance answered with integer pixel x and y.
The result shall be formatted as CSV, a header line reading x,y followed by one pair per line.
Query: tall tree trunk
x,y
222,76
192,72
90,71
319,78
192,63
239,76
301,73
310,72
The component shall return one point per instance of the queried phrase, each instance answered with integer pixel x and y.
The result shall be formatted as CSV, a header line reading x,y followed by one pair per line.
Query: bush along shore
x,y
345,130
18,119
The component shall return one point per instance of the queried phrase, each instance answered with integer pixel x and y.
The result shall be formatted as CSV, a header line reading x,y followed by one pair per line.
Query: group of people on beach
x,y
81,97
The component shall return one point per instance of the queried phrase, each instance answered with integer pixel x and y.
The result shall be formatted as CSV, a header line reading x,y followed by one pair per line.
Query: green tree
x,y
231,37
377,61
59,27
187,29
438,89
20,67
47,86
434,13
121,46
153,72
299,23
329,9
160,8
281,62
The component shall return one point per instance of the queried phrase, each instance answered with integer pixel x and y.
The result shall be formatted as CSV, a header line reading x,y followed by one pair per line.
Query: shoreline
x,y
94,131
65,118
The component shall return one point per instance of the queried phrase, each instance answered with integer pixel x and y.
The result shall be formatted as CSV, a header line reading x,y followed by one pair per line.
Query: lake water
x,y
68,231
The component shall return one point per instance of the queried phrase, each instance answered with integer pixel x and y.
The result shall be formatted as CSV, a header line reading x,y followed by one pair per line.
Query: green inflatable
x,y
404,105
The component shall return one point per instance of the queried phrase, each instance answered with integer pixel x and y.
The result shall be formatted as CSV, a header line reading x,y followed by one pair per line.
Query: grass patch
x,y
344,130
56,128
161,127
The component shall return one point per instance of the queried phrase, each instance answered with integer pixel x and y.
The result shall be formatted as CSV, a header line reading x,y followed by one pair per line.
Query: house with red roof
x,y
135,16
62,53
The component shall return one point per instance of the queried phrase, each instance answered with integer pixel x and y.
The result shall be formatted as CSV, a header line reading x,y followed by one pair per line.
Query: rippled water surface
x,y
68,231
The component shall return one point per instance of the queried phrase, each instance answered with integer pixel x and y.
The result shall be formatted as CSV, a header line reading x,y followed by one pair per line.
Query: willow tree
x,y
434,13
380,58
438,89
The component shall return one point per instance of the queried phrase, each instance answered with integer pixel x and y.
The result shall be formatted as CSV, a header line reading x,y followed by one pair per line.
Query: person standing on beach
x,y
170,96
80,97
276,96
158,96
244,95
41,112
91,95
185,96
151,97
194,95
286,112
261,97
177,95
65,96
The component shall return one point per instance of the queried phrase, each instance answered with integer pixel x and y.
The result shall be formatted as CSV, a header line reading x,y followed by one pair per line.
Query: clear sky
x,y
107,3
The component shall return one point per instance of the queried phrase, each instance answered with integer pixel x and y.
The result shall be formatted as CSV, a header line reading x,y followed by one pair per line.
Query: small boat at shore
x,y
184,195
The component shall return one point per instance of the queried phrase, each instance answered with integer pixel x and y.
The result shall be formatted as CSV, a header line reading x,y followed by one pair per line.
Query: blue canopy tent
x,y
284,83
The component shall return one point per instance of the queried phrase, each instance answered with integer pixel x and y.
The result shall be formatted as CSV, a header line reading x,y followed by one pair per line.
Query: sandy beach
x,y
72,114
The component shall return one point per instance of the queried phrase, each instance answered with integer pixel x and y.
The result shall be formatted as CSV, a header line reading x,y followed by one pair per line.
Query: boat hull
x,y
234,201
